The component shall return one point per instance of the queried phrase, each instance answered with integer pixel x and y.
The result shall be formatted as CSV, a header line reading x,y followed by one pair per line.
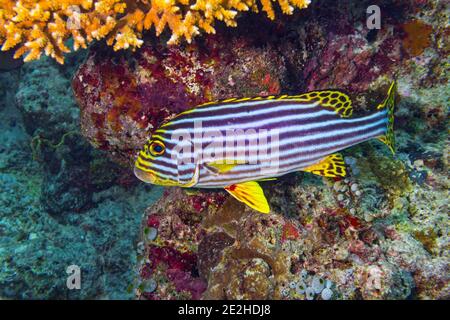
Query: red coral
x,y
349,222
146,271
290,232
183,281
153,221
357,247
203,201
181,269
351,63
173,259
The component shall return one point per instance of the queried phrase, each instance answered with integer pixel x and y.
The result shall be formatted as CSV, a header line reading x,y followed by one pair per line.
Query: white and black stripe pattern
x,y
307,132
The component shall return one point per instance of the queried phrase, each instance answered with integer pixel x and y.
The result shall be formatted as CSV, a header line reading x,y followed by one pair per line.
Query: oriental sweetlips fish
x,y
235,143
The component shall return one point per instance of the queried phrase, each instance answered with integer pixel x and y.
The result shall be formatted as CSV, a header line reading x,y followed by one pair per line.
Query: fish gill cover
x,y
68,195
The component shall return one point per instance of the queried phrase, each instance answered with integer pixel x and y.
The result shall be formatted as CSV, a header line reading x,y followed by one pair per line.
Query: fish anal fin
x,y
332,166
251,194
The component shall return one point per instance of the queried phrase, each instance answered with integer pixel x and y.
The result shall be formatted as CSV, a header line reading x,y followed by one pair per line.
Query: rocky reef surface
x,y
380,233
123,98
62,202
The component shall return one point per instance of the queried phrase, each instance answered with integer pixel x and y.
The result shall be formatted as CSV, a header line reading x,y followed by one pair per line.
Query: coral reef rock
x,y
61,201
380,233
124,97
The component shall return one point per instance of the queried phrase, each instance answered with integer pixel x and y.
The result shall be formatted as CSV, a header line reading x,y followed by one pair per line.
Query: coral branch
x,y
31,27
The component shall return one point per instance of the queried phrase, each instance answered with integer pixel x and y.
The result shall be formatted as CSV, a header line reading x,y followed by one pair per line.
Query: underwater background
x,y
70,133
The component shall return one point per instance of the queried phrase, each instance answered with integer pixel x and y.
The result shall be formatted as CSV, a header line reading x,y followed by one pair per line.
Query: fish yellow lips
x,y
152,178
144,176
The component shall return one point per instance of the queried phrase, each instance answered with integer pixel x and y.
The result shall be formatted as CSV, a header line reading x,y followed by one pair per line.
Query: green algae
x,y
389,173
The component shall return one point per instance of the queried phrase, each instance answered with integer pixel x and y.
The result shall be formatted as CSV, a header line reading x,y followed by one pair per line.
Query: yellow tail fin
x,y
389,103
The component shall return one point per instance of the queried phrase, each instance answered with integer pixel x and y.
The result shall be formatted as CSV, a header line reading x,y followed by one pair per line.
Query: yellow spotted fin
x,y
331,99
389,103
332,166
251,194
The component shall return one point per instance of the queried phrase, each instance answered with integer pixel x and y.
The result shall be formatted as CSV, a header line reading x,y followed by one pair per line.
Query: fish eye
x,y
157,148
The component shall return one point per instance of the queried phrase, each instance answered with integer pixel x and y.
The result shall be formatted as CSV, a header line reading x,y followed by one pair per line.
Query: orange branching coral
x,y
31,27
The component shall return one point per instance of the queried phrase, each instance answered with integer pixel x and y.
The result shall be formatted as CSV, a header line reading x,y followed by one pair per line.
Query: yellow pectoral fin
x,y
267,179
332,166
221,168
225,165
251,194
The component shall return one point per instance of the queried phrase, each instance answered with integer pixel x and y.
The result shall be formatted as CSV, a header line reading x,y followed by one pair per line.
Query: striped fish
x,y
235,143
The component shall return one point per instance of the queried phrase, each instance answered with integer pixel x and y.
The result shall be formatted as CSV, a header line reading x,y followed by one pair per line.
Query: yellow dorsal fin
x,y
222,166
331,99
251,194
331,166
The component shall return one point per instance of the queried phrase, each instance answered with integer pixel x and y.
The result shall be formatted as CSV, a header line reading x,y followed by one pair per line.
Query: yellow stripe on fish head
x,y
155,164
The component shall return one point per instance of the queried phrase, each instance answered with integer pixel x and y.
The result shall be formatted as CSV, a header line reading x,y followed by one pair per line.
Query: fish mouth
x,y
144,176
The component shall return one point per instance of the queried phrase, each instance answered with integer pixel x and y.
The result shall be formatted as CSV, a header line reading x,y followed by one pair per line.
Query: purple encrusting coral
x,y
179,269
380,233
